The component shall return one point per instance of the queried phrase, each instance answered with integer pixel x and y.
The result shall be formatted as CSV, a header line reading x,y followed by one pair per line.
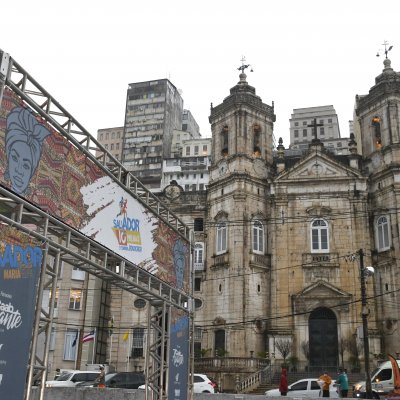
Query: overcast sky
x,y
304,53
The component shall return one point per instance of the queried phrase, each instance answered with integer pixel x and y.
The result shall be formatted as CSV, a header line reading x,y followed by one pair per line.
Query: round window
x,y
140,303
197,303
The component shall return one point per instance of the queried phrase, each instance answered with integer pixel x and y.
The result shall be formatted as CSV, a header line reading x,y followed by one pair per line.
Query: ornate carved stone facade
x,y
280,233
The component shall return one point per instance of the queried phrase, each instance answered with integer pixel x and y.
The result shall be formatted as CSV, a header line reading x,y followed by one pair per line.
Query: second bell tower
x,y
242,127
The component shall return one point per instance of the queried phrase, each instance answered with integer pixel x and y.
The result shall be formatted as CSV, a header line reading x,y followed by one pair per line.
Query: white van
x,y
381,381
72,378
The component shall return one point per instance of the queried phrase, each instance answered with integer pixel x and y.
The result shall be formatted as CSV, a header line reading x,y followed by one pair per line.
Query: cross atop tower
x,y
315,125
385,43
244,66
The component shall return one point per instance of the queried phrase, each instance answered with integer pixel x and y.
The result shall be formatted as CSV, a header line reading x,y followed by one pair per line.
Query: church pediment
x,y
322,294
318,166
322,288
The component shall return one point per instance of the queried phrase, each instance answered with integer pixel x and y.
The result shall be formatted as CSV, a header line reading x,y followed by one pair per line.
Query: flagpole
x,y
94,345
76,340
111,342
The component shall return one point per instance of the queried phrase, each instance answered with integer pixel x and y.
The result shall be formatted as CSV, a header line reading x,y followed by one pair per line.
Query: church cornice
x,y
238,100
379,92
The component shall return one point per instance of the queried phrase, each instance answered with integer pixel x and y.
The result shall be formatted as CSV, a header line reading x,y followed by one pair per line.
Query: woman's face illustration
x,y
20,166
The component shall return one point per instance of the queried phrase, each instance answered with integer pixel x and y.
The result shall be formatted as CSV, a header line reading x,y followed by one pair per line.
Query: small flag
x,y
125,337
90,336
76,338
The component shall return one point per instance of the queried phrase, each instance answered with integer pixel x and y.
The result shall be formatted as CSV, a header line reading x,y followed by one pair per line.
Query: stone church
x,y
279,240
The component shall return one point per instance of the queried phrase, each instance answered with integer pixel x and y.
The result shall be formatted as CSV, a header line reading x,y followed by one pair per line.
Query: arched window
x,y
382,233
376,123
221,237
258,237
224,141
319,236
198,253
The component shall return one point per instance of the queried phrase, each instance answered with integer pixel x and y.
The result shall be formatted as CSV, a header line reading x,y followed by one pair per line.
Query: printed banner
x,y
40,165
178,356
20,265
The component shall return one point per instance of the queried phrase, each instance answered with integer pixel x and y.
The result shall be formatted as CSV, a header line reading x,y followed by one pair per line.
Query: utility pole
x,y
364,313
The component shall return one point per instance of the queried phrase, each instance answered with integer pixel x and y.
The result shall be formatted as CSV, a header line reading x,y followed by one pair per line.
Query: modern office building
x,y
328,132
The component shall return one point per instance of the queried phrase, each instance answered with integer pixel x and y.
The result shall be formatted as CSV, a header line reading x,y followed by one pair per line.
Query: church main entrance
x,y
323,339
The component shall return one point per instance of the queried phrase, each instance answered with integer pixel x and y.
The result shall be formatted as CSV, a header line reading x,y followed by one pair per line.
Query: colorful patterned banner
x,y
39,164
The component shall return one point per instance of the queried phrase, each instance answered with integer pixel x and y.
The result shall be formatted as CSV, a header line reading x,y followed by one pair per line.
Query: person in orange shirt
x,y
326,382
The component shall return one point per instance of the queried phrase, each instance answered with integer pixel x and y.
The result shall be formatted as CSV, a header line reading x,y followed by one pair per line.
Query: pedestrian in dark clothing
x,y
283,383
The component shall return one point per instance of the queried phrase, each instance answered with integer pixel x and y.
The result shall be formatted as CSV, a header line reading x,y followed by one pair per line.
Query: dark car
x,y
126,380
123,380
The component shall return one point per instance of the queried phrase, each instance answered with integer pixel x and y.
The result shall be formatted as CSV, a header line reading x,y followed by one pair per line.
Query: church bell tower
x,y
236,288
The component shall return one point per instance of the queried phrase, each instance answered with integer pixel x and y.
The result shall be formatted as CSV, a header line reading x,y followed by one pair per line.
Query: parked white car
x,y
72,378
305,388
201,384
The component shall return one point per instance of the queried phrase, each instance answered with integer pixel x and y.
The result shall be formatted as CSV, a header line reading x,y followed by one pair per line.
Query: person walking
x,y
326,382
343,382
100,380
283,383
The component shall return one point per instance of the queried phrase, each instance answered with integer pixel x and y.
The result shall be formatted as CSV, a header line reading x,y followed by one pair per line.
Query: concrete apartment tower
x,y
153,110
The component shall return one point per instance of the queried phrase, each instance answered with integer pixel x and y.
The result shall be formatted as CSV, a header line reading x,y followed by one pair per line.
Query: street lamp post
x,y
364,313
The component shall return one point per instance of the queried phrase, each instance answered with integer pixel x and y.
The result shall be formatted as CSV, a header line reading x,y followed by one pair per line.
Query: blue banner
x,y
20,264
178,356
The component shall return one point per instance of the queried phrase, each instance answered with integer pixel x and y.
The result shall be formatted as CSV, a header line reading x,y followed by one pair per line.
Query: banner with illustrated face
x,y
39,164
20,265
178,356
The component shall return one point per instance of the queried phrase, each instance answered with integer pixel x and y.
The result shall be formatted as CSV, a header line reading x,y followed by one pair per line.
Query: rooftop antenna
x,y
385,43
244,66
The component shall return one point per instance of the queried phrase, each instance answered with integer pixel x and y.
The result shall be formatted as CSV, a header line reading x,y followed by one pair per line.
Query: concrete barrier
x,y
133,394
125,394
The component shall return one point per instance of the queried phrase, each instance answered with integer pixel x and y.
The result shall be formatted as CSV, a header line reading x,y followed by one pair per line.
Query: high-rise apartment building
x,y
153,110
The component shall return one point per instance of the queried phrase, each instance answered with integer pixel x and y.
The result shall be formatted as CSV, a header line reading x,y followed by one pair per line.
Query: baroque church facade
x,y
278,240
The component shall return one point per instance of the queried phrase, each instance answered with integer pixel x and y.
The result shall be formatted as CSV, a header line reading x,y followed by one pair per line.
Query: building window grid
x,y
198,253
75,297
258,237
319,236
138,342
382,233
70,344
222,238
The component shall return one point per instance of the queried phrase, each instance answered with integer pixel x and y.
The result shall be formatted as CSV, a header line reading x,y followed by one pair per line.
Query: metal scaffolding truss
x,y
57,116
61,243
85,253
